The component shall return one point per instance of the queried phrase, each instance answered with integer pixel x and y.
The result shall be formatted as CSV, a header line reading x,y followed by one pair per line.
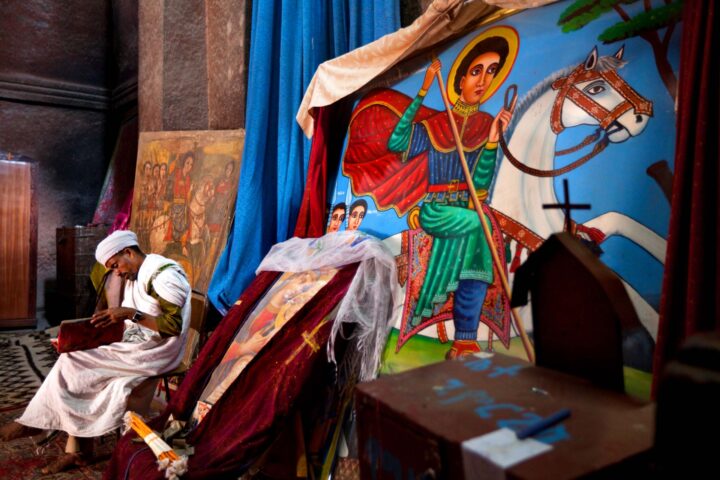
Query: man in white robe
x,y
86,392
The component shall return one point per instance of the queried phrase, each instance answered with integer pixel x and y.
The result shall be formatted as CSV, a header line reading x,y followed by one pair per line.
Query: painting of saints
x,y
221,210
419,161
161,187
181,184
337,217
194,183
358,209
197,244
145,205
289,294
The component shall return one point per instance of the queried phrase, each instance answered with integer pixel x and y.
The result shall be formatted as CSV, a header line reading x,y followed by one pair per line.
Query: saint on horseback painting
x,y
454,163
184,196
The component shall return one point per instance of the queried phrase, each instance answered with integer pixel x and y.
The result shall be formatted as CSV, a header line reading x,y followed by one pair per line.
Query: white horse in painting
x,y
589,94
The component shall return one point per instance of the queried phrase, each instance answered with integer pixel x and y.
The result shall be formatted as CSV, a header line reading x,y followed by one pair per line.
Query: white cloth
x,y
86,392
372,297
343,75
113,243
348,73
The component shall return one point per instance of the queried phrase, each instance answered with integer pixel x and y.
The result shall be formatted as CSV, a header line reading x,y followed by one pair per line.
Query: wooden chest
x,y
432,423
75,260
18,243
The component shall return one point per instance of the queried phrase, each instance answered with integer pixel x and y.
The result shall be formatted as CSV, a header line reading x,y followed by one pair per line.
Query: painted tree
x,y
646,25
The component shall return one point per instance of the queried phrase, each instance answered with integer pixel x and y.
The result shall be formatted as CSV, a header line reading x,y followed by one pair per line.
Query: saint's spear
x,y
478,208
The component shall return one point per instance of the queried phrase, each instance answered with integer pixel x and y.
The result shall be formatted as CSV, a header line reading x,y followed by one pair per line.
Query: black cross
x,y
567,206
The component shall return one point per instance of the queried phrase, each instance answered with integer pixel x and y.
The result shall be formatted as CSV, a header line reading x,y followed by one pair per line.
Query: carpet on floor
x,y
22,459
25,361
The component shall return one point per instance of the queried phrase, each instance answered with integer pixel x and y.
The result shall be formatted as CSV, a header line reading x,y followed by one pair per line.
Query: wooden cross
x,y
566,206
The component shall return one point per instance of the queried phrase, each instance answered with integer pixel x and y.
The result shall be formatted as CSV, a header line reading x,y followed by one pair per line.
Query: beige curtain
x,y
348,73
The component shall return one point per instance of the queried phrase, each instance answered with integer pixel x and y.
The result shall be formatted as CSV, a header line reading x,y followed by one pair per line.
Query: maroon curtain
x,y
331,124
691,285
310,221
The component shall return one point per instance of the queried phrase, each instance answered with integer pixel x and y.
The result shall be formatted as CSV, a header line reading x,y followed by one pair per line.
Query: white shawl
x,y
373,294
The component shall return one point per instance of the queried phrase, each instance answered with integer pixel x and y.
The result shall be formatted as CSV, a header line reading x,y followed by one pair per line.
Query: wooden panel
x,y
75,261
608,434
18,243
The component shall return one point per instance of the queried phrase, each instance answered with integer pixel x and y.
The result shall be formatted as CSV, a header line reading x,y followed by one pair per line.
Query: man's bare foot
x,y
13,430
65,462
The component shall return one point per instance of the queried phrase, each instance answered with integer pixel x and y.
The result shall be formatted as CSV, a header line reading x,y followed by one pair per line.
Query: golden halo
x,y
513,41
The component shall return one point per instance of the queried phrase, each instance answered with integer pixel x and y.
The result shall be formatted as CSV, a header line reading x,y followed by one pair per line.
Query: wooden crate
x,y
18,243
423,423
75,259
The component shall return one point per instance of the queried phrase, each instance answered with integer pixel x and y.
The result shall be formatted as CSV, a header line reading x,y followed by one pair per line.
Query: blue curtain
x,y
288,40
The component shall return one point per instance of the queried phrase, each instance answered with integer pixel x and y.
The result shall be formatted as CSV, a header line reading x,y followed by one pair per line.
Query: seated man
x,y
86,392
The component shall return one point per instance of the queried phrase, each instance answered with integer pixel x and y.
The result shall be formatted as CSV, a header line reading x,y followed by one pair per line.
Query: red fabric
x,y
122,219
255,407
330,127
311,217
376,171
120,175
691,286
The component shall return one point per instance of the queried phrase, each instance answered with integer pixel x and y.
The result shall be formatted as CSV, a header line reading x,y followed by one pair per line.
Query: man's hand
x,y
107,317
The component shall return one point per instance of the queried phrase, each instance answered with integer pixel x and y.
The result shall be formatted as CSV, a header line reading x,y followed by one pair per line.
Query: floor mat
x,y
22,460
25,360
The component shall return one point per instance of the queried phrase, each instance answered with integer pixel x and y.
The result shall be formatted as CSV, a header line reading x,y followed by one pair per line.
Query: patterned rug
x,y
25,360
22,460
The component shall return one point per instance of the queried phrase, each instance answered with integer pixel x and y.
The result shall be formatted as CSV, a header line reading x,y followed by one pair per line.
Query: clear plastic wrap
x,y
372,297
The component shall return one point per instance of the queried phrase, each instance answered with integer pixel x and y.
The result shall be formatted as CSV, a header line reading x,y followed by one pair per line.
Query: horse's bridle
x,y
566,87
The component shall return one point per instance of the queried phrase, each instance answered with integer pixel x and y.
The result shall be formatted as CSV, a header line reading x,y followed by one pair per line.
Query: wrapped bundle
x,y
170,462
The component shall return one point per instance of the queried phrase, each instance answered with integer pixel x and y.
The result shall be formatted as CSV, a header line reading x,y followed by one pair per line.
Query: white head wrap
x,y
113,243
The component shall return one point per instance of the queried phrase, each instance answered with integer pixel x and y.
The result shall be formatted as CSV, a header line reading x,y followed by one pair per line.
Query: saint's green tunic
x,y
460,250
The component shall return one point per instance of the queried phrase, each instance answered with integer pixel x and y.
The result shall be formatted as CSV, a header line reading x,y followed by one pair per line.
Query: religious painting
x,y
562,92
290,292
184,196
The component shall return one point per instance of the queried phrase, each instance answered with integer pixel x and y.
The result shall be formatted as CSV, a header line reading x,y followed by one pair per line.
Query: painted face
x,y
147,169
156,171
209,188
338,216
478,77
229,169
163,170
356,217
188,165
122,265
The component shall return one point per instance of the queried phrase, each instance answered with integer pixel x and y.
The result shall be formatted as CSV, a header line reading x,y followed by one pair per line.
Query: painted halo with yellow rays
x,y
513,41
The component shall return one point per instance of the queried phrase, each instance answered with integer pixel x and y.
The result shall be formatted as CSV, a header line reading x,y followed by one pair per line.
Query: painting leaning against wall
x,y
184,196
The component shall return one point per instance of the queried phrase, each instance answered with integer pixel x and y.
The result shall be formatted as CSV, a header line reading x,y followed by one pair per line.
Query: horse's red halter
x,y
567,89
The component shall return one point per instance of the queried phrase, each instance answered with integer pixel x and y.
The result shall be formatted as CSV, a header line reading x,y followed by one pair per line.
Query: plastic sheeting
x,y
372,297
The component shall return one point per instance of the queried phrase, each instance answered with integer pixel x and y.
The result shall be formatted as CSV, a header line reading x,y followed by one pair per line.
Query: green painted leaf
x,y
643,22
